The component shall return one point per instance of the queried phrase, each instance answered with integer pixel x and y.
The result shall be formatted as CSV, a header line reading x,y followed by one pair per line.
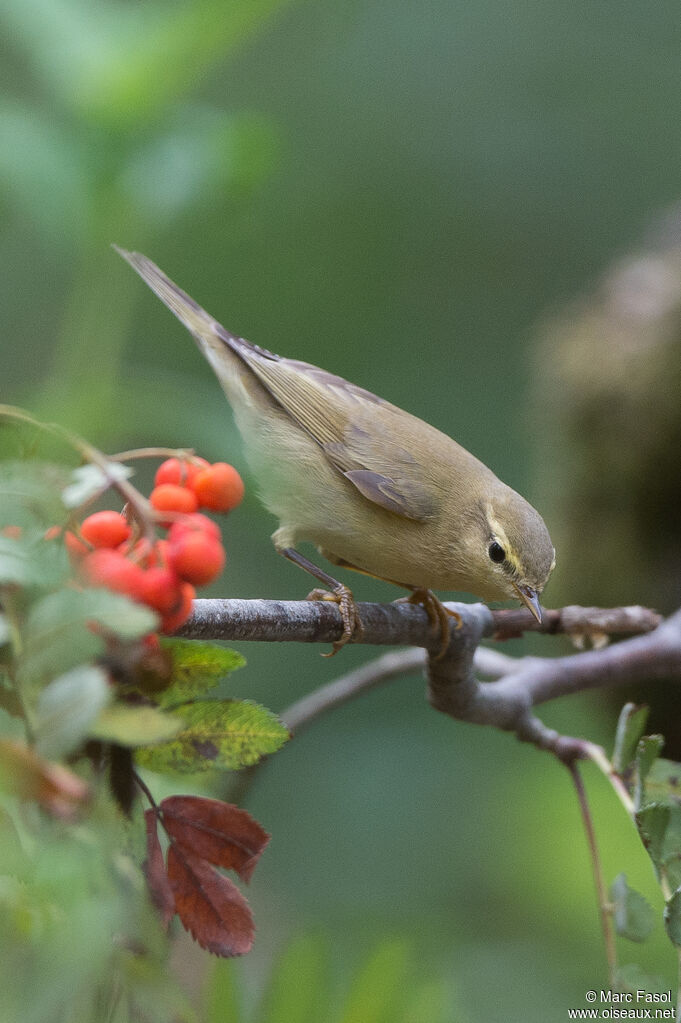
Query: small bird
x,y
372,487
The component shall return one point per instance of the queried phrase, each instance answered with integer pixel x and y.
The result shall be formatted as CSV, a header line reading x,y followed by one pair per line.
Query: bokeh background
x,y
401,193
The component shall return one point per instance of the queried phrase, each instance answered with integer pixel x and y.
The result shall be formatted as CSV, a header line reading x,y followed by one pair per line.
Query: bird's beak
x,y
530,599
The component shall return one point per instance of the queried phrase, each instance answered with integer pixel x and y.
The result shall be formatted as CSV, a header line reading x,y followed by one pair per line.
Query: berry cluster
x,y
161,573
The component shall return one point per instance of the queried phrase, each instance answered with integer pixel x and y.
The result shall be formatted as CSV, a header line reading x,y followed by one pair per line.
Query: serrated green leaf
x,y
663,782
633,915
66,709
217,733
659,825
652,822
196,668
630,727
672,918
647,752
134,726
57,635
30,493
89,480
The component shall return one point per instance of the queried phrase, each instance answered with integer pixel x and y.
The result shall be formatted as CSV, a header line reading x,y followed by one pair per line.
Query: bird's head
x,y
514,555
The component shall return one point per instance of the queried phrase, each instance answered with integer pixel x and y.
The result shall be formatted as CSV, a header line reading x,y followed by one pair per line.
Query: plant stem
x,y
603,905
126,456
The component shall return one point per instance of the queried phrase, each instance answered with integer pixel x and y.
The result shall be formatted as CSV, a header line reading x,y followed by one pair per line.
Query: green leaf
x,y
647,752
432,1002
217,733
40,157
299,984
57,633
633,915
17,567
659,825
207,151
672,918
66,709
630,977
222,1002
663,782
134,726
378,991
30,493
630,727
652,822
158,65
196,668
90,480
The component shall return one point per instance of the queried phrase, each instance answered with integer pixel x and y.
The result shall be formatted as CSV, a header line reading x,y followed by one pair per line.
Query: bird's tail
x,y
189,312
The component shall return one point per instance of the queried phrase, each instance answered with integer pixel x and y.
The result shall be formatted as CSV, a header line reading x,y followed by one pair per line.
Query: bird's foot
x,y
352,626
439,616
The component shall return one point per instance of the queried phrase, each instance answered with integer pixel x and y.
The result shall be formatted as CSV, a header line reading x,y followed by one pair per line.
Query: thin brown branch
x,y
454,689
579,622
400,623
389,666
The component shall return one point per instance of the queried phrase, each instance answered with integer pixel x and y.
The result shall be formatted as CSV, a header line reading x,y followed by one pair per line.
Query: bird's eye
x,y
496,552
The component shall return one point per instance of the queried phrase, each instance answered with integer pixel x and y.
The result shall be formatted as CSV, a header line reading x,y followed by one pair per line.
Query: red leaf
x,y
155,871
209,905
218,832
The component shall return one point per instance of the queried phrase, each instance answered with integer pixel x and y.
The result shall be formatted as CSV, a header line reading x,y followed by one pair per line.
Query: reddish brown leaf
x,y
155,871
218,832
209,905
24,774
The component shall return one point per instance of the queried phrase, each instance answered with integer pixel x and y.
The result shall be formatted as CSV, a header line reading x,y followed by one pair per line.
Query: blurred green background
x,y
397,192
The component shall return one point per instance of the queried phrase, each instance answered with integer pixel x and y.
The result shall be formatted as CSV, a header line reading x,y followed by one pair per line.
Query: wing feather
x,y
341,418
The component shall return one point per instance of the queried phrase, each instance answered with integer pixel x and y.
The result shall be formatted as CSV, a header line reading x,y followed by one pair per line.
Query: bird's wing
x,y
342,418
339,416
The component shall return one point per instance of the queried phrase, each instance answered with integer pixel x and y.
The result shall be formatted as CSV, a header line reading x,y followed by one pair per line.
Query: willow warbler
x,y
373,487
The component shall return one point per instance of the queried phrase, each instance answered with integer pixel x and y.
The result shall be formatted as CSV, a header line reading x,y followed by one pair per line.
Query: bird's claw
x,y
352,625
438,615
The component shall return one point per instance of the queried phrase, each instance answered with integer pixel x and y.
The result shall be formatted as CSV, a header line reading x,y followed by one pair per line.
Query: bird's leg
x,y
438,615
337,592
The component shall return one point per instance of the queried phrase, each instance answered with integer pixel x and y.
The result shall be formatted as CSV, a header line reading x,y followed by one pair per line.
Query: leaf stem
x,y
603,904
145,789
141,508
188,454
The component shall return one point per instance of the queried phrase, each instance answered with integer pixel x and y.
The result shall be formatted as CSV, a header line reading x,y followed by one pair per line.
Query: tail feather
x,y
200,323
189,312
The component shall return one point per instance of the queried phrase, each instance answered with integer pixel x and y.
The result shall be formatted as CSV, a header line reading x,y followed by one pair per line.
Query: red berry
x,y
196,523
219,487
114,571
169,497
179,471
105,529
171,622
196,557
75,547
161,589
